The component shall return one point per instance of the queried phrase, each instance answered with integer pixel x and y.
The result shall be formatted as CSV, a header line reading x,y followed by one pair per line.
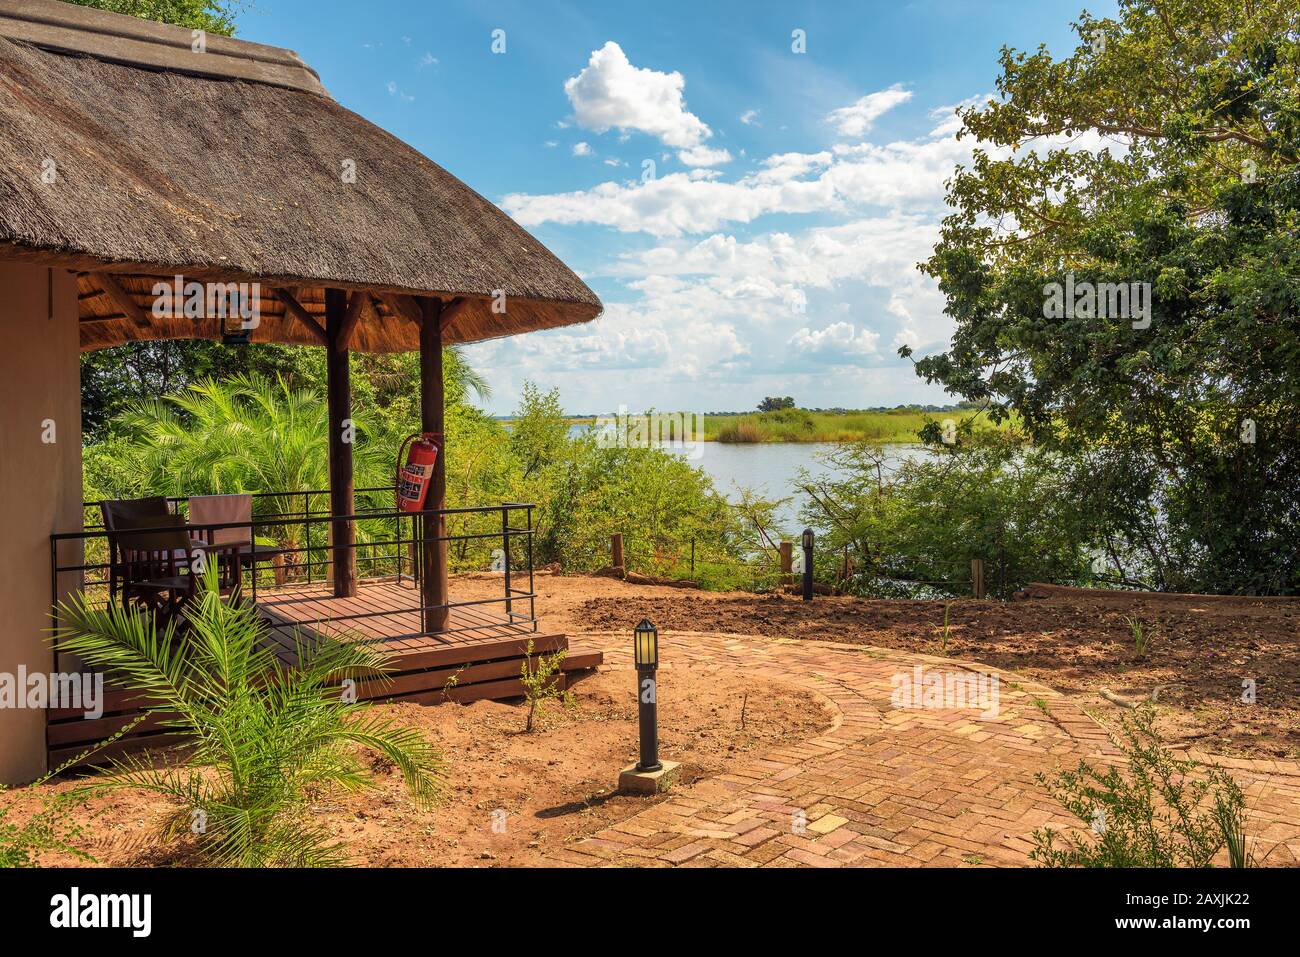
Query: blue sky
x,y
770,248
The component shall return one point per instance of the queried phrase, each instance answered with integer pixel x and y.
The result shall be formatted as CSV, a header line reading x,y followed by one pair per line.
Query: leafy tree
x,y
118,377
927,518
539,431
775,403
214,16
1162,150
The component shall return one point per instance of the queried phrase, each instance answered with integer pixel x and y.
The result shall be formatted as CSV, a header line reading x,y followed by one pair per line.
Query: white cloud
x,y
704,156
723,314
581,149
749,117
611,93
393,90
427,60
857,119
838,343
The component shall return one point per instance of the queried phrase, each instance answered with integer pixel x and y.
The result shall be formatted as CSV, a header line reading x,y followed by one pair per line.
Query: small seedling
x,y
947,630
1141,636
541,677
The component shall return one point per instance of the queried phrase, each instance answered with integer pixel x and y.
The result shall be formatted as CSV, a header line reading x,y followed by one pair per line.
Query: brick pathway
x,y
887,785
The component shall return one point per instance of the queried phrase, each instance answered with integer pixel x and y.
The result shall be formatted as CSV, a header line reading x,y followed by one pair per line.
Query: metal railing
x,y
286,563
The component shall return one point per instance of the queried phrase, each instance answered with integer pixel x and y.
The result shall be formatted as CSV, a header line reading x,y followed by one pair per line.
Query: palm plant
x,y
266,739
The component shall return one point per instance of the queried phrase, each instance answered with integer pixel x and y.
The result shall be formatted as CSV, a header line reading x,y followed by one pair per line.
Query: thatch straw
x,y
164,172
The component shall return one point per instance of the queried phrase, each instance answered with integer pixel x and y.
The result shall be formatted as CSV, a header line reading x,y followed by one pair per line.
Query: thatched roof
x,y
228,165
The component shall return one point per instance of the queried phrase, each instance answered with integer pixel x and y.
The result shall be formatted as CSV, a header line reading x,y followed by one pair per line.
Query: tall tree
x,y
1164,151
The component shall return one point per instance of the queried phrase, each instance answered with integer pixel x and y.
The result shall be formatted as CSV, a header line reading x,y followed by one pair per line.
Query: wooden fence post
x,y
616,547
977,577
787,563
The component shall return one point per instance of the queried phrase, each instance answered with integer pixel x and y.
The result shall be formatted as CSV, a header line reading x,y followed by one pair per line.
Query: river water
x,y
771,469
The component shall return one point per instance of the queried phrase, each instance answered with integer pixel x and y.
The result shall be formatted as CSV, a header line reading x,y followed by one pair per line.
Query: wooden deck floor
x,y
478,656
386,613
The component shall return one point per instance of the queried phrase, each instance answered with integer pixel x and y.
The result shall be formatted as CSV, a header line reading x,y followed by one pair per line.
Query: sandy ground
x,y
1200,654
556,785
539,790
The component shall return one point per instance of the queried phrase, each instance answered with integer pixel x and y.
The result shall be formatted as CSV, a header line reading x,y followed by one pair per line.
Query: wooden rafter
x,y
121,298
302,315
351,319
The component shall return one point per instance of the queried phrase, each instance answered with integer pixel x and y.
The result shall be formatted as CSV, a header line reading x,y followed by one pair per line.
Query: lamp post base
x,y
632,781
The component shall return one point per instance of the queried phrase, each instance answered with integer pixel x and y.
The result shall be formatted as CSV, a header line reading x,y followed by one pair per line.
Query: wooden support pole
x,y
616,549
339,387
433,583
787,563
977,577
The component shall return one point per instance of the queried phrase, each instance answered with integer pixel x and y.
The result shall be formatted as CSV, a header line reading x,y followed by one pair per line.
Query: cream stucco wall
x,y
40,481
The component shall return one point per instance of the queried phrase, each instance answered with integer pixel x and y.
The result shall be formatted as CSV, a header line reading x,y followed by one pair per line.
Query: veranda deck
x,y
477,655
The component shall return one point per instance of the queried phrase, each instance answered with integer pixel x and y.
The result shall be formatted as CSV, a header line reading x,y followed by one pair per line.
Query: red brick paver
x,y
887,785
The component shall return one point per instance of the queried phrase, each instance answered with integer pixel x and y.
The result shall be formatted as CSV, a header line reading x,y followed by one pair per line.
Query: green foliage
x,y
214,16
926,519
802,425
1146,813
946,634
585,493
540,677
51,829
1141,635
775,403
114,379
255,434
1195,189
266,740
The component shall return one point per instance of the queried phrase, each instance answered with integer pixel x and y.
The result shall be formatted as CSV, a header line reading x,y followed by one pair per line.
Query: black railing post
x,y
532,590
505,555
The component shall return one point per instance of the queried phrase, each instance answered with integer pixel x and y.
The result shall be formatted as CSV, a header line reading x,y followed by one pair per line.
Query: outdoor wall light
x,y
647,645
807,564
646,652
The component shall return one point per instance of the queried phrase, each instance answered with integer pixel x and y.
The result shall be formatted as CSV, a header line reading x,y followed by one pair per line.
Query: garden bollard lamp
x,y
646,653
807,564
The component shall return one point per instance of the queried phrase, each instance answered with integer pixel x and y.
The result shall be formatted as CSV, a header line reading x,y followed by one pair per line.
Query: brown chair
x,y
152,553
209,510
153,560
128,513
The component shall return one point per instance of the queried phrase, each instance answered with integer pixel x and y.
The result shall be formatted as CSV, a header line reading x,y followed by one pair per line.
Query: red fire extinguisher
x,y
414,478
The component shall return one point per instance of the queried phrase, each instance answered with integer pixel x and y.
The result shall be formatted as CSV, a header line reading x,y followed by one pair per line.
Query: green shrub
x,y
263,740
1147,814
541,678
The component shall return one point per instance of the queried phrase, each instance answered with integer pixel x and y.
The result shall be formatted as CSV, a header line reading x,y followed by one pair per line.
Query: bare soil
x,y
555,785
1200,652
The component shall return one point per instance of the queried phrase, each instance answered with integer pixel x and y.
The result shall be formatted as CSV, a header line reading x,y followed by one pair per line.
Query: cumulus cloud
x,y
581,149
749,117
611,93
704,156
855,120
840,342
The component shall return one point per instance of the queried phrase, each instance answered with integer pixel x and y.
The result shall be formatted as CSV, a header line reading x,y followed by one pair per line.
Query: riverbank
x,y
885,427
